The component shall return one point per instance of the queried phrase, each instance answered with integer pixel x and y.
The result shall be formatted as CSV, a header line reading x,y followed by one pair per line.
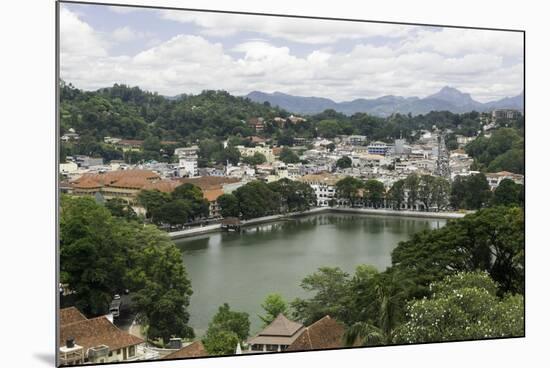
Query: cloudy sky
x,y
173,52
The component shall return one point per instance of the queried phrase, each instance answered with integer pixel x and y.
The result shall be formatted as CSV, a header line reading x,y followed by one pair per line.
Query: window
x,y
131,351
118,352
110,353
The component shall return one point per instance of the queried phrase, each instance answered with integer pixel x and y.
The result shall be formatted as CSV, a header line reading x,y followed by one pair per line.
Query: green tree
x,y
294,195
343,162
375,192
508,193
256,199
491,240
152,200
229,154
120,208
273,305
463,307
228,320
349,188
229,204
471,192
175,212
288,156
330,285
220,342
396,194
256,159
412,187
328,128
193,197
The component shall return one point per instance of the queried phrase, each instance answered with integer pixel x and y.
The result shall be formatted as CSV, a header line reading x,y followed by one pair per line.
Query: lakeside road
x,y
366,211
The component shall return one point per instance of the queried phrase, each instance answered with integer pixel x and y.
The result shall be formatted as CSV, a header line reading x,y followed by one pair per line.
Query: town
x,y
426,171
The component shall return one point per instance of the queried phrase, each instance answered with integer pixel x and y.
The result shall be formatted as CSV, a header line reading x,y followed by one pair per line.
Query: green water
x,y
241,269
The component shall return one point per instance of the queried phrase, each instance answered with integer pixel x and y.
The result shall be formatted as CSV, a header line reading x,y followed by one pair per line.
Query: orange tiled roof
x,y
212,194
166,186
117,178
209,182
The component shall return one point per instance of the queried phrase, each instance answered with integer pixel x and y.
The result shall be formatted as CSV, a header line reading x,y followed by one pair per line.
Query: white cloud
x,y
126,33
417,66
309,31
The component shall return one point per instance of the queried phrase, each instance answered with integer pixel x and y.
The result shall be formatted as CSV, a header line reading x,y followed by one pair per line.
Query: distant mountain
x,y
448,98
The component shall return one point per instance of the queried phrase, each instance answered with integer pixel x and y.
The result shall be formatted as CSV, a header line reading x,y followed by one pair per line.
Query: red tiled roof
x,y
212,194
209,182
118,178
93,332
195,349
326,333
70,315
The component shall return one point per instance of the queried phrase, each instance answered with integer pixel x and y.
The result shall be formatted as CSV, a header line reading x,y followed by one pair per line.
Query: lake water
x,y
241,269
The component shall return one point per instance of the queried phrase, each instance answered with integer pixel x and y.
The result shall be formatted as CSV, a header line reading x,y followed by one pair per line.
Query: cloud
x,y
308,31
126,34
417,65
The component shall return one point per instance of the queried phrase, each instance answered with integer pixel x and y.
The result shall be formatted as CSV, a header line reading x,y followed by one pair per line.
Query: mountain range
x,y
447,99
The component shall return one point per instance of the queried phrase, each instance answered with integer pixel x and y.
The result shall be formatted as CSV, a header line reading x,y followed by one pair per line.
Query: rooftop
x,y
326,333
195,349
70,315
281,331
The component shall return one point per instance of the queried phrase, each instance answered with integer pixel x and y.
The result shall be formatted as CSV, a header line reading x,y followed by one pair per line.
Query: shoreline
x,y
363,211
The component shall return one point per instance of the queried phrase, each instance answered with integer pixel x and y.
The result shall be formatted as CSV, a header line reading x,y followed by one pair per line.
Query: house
x,y
324,186
494,179
95,340
377,148
188,160
193,350
277,336
258,124
326,333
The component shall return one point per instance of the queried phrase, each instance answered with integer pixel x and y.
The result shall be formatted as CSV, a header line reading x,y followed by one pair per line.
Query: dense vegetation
x,y
463,281
102,255
502,151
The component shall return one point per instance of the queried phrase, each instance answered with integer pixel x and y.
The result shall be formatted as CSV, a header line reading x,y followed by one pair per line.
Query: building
x,y
277,336
494,179
324,186
356,140
193,350
377,148
251,151
188,160
93,341
86,161
258,124
326,333
124,184
505,114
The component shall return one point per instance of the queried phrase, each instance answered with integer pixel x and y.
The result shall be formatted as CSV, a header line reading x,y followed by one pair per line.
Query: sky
x,y
176,51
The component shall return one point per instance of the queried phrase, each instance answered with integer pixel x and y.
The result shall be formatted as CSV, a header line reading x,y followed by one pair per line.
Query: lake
x,y
242,268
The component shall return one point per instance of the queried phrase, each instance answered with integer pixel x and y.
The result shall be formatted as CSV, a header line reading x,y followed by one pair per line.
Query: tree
x,y
176,212
120,208
256,159
152,200
412,186
349,189
343,162
220,342
256,199
330,285
375,192
229,154
163,289
193,197
273,305
471,192
228,320
288,156
508,193
328,128
463,307
491,240
396,194
229,204
294,195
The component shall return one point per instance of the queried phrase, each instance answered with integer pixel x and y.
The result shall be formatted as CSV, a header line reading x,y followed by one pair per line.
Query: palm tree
x,y
390,291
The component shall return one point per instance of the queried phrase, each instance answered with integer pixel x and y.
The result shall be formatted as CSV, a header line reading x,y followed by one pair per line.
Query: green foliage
x,y
491,240
502,151
257,159
152,201
374,193
220,342
508,193
120,208
256,199
330,285
101,255
463,307
349,188
396,194
229,205
273,305
295,196
229,154
471,192
343,162
288,156
228,320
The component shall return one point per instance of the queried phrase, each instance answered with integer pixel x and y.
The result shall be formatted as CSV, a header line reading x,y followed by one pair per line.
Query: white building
x,y
188,157
324,186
